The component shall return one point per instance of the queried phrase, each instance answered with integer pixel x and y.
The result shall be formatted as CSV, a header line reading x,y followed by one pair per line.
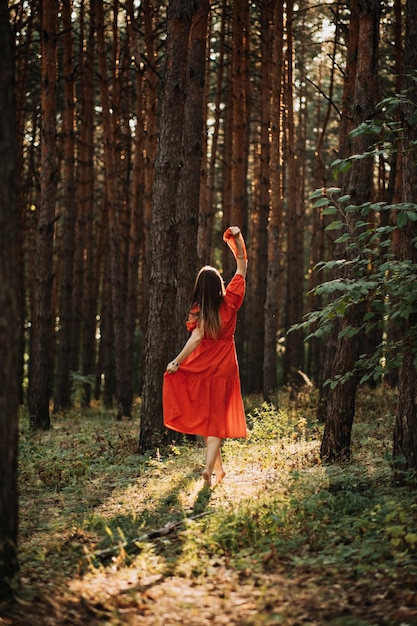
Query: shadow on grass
x,y
120,532
202,500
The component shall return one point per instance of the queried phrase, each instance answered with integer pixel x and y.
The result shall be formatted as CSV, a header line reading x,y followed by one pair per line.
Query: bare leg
x,y
213,452
218,468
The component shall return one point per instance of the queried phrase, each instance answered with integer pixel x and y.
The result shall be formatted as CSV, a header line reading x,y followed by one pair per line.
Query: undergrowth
x,y
89,501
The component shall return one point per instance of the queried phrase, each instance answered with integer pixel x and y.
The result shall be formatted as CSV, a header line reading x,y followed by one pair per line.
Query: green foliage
x,y
269,423
368,271
279,510
79,381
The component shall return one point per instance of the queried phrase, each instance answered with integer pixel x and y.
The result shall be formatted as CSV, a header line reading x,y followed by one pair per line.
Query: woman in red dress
x,y
201,391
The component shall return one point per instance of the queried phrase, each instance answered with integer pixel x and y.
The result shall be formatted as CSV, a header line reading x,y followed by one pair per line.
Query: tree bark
x,y
188,193
339,407
124,397
136,208
160,341
241,95
271,314
9,312
346,124
62,395
151,81
256,303
41,363
405,429
207,214
294,350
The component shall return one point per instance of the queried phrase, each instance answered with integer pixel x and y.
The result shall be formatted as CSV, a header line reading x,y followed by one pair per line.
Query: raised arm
x,y
239,250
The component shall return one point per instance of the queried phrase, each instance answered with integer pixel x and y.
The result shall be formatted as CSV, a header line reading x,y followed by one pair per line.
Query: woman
x,y
201,392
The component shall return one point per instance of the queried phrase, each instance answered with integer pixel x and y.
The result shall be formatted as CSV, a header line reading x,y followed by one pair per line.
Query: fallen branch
x,y
170,527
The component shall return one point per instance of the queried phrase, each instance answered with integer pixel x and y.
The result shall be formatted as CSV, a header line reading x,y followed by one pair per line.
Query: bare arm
x,y
190,345
241,262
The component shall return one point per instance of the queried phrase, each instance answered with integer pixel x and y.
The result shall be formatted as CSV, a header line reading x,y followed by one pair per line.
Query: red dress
x,y
203,397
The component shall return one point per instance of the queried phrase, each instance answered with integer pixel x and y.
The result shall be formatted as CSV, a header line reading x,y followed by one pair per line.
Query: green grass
x,y
88,503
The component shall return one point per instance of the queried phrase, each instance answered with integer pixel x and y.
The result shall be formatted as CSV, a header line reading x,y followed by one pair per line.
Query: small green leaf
x,y
402,219
317,193
334,190
336,225
321,202
343,238
330,210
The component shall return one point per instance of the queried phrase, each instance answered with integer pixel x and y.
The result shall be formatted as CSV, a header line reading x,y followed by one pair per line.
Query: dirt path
x,y
272,594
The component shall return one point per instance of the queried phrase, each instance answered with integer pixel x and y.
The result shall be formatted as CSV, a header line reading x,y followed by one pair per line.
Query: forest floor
x,y
109,537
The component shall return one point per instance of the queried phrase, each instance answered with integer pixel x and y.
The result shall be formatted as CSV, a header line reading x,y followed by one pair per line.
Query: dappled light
x,y
132,539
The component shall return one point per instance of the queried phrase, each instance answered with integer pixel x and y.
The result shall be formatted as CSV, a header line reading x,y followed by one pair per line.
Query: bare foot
x,y
219,476
207,478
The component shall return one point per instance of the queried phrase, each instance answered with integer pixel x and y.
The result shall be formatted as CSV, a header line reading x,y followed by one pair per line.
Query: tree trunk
x,y
405,429
294,351
346,124
255,338
41,364
85,203
124,399
62,395
9,312
275,219
206,217
188,193
150,100
136,203
240,143
160,341
339,407
23,38
317,245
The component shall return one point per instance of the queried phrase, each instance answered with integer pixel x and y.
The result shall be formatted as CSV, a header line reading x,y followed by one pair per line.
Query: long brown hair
x,y
207,296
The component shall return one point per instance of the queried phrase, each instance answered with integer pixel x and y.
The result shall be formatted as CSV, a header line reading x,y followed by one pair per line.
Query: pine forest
x,y
133,133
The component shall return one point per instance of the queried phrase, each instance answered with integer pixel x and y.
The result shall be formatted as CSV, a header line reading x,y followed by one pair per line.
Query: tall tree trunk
x,y
9,312
294,351
317,246
240,52
160,342
405,429
340,402
62,395
24,38
88,222
275,218
188,192
206,218
85,203
255,338
41,364
136,203
240,141
346,124
150,99
124,400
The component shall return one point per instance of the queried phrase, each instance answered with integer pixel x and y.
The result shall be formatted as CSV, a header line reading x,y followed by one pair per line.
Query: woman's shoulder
x,y
237,282
235,291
